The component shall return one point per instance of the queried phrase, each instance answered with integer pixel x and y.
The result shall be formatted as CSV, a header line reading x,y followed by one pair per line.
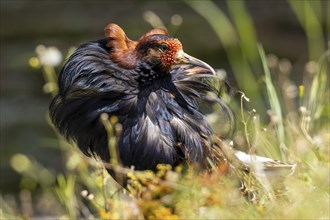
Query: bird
x,y
154,89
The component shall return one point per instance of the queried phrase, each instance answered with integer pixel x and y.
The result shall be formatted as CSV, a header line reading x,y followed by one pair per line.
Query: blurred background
x,y
204,28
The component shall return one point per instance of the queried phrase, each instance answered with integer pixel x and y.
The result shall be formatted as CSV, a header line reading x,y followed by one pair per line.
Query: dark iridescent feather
x,y
160,117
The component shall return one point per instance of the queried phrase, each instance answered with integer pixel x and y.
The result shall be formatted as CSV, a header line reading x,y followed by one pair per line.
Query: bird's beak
x,y
183,58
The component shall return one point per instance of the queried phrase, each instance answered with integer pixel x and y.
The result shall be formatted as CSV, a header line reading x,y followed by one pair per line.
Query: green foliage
x,y
274,103
296,133
238,41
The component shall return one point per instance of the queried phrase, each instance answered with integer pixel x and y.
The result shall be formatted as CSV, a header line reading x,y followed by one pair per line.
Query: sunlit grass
x,y
297,132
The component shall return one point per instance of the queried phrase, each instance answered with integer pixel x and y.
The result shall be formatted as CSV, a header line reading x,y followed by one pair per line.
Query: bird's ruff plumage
x,y
156,116
157,107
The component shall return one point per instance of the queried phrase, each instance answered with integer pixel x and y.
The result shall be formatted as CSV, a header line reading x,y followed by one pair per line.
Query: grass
x,y
297,132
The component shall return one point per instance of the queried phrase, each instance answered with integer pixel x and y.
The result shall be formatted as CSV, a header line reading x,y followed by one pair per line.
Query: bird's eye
x,y
163,47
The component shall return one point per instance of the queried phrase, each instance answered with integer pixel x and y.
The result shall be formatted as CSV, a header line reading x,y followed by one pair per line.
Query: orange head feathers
x,y
155,47
123,49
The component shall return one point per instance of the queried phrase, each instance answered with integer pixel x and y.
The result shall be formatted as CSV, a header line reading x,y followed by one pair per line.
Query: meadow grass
x,y
297,132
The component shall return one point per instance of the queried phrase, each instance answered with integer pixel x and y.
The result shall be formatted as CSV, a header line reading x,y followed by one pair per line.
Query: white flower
x,y
90,197
84,193
50,56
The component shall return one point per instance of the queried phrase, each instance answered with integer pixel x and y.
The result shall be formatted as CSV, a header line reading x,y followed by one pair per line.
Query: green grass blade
x,y
273,101
307,13
245,30
227,34
319,88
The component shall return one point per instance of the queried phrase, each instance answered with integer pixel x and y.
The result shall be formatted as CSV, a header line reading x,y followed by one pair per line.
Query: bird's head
x,y
155,48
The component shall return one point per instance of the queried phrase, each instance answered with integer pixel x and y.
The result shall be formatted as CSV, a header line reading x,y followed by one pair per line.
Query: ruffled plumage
x,y
159,114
